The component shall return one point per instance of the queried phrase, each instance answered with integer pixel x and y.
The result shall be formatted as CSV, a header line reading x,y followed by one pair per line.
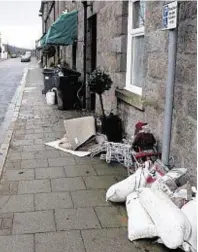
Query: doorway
x,y
92,52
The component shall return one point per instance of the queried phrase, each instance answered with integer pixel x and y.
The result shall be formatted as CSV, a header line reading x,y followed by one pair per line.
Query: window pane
x,y
137,61
138,14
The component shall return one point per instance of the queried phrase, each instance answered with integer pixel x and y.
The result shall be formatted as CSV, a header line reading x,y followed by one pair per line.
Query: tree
x,y
99,82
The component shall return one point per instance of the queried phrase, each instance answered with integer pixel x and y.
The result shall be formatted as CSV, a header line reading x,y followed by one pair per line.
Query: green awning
x,y
64,30
43,40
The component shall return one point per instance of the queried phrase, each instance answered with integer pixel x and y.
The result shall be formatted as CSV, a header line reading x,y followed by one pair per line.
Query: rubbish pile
x,y
158,207
157,204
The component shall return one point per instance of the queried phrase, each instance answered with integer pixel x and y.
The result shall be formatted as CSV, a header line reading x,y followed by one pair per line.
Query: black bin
x,y
49,83
68,87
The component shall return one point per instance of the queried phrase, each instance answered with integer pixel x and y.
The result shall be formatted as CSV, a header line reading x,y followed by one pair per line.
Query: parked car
x,y
25,58
13,55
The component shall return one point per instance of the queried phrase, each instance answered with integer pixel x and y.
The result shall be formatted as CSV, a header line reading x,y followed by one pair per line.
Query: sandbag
x,y
190,211
140,224
119,191
172,225
182,195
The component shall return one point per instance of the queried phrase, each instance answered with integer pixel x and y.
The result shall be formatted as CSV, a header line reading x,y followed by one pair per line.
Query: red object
x,y
140,124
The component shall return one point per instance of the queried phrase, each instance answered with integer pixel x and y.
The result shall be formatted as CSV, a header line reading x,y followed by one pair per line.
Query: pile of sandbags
x,y
159,209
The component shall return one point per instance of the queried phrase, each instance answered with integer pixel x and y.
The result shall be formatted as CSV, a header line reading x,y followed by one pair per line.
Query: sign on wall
x,y
169,16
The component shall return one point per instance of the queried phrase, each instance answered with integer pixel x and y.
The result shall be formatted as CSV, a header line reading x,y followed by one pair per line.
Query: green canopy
x,y
64,30
43,40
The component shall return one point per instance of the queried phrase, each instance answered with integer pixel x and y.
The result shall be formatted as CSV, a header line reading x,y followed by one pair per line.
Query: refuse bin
x,y
48,74
68,87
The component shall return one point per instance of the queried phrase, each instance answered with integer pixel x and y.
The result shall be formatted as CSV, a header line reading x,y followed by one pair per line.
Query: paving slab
x,y
34,186
89,198
61,161
64,241
33,222
106,169
17,175
8,187
67,184
79,170
17,243
36,147
80,218
114,216
50,172
6,223
12,164
107,240
45,201
34,163
100,182
5,232
47,154
16,203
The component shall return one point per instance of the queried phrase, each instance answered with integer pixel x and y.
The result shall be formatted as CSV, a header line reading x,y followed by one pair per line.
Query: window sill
x,y
130,98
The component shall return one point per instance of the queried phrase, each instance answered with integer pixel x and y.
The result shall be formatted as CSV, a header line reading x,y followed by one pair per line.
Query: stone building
x,y
139,69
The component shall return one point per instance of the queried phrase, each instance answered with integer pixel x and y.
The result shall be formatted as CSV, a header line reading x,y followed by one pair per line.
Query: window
x,y
135,46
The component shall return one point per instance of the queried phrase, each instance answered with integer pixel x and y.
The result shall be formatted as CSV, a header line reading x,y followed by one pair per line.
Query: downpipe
x,y
169,99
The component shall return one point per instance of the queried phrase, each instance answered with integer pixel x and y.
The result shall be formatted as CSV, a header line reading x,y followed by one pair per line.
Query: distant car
x,y
25,58
13,55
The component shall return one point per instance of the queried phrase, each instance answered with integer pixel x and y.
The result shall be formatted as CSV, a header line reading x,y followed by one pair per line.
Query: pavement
x,y
51,201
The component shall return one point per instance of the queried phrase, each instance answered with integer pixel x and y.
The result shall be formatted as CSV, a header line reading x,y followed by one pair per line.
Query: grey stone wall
x,y
183,144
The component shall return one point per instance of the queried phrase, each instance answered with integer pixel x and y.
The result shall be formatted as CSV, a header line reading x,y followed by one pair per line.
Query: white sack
x,y
190,211
140,224
172,225
119,191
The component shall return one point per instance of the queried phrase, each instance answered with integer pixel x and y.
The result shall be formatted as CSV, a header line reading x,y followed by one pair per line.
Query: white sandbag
x,y
140,224
190,211
119,191
172,225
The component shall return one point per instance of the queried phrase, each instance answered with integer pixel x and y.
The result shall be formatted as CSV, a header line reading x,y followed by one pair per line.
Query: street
x,y
11,72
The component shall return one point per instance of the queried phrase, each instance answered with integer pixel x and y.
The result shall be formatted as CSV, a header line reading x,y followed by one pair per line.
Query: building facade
x,y
126,39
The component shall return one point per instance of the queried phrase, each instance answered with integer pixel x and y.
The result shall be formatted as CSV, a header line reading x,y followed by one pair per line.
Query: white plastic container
x,y
50,98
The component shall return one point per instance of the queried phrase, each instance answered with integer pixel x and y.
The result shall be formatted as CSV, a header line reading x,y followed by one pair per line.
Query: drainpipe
x,y
172,50
85,53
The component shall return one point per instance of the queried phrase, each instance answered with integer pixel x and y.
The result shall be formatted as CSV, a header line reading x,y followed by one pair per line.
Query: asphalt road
x,y
11,72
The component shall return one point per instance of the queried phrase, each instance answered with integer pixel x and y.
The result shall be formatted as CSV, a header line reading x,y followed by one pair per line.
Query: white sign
x,y
169,18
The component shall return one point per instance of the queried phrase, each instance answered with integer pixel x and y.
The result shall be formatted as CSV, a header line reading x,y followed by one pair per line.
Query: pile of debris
x,y
158,207
157,203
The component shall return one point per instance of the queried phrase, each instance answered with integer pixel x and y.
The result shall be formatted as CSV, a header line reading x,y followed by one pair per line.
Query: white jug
x,y
50,98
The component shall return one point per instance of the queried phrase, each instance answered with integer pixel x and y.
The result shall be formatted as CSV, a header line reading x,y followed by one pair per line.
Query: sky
x,y
20,24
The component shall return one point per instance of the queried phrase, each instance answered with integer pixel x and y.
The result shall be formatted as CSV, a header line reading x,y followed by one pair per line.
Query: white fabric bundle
x,y
190,211
119,191
172,225
140,224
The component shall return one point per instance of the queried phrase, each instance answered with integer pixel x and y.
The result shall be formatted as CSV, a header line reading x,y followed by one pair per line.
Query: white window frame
x,y
131,34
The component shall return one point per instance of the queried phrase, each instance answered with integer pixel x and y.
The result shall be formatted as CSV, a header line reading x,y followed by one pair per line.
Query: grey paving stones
x,y
16,203
8,188
87,198
79,170
104,169
47,154
14,156
45,201
65,241
5,232
17,243
36,147
99,182
34,186
112,216
107,240
67,184
33,222
6,223
12,164
50,172
34,163
17,175
61,161
80,218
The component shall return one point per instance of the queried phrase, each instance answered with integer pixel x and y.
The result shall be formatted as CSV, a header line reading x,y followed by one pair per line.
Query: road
x,y
11,72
